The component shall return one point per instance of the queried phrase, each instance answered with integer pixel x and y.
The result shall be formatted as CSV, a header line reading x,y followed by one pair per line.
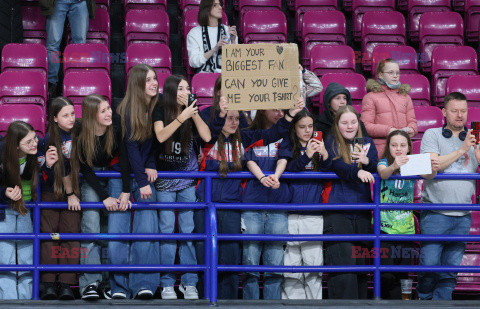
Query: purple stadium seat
x,y
23,87
322,27
89,56
359,8
472,20
30,57
458,5
254,5
417,7
448,61
146,26
402,5
156,55
354,82
437,29
302,6
405,56
77,85
358,108
469,282
420,92
33,114
264,26
144,5
186,5
161,77
416,146
474,229
332,59
98,28
202,85
34,25
381,28
103,4
469,85
427,117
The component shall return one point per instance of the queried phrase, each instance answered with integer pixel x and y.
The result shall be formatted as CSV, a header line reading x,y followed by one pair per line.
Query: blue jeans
x,y
263,222
13,251
139,252
439,286
77,12
185,224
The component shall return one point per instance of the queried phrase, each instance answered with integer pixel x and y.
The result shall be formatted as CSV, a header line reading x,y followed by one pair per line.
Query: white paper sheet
x,y
419,164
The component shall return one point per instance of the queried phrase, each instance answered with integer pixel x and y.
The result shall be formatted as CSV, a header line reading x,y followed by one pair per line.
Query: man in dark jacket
x,y
78,12
11,28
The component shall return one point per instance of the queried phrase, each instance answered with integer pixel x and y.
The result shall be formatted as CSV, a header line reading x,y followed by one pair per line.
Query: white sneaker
x,y
169,293
189,291
119,295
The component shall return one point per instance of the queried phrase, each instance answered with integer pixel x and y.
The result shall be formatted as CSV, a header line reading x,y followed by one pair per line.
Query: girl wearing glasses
x,y
387,107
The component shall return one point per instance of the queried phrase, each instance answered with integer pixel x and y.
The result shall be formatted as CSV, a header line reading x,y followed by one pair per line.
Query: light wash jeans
x,y
263,222
77,13
12,251
185,224
433,285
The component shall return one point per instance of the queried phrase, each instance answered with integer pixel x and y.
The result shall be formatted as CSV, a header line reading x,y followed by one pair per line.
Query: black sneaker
x,y
48,292
144,294
90,293
64,292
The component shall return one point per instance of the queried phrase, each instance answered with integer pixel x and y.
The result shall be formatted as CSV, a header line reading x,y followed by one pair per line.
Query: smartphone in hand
x,y
192,97
318,135
476,130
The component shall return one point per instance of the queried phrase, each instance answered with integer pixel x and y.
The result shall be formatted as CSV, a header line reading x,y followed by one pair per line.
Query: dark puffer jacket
x,y
11,28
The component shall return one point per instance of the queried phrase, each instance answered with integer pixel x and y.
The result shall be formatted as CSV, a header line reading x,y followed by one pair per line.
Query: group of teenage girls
x,y
152,132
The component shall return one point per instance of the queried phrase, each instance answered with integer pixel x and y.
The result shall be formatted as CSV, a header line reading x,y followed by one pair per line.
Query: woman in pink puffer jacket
x,y
387,106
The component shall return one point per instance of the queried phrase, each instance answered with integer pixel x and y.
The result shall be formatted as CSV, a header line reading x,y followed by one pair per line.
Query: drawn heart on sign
x,y
279,50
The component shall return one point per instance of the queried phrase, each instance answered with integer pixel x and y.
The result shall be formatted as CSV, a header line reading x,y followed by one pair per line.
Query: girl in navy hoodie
x,y
303,153
355,170
224,155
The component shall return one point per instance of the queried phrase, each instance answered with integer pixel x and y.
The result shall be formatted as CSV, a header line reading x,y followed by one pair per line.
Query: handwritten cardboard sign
x,y
260,76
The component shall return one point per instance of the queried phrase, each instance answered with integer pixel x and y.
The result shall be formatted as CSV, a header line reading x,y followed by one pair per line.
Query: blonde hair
x,y
340,147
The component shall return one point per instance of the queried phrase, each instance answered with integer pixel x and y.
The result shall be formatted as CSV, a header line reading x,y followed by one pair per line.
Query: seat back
x,y
417,7
472,20
31,57
146,26
245,6
156,55
186,5
332,59
302,6
23,87
144,5
359,8
203,85
34,25
264,26
33,114
469,85
427,117
98,28
420,88
77,85
161,77
88,56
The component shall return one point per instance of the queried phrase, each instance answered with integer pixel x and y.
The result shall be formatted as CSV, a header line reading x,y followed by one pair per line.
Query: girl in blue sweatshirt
x,y
261,159
298,153
224,154
355,170
136,111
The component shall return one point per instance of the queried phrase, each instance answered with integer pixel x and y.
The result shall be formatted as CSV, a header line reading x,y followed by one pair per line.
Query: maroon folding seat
x,y
458,5
322,27
416,146
402,5
359,8
23,87
381,28
438,29
30,57
417,7
185,5
302,6
103,4
161,77
420,88
144,5
469,282
245,6
88,56
427,117
77,85
354,82
264,26
405,56
98,28
332,59
472,20
448,61
202,86
146,26
34,25
469,85
156,55
33,114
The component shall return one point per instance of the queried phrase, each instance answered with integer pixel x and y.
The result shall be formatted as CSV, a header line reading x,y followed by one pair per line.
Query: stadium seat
x,y
98,28
354,82
427,117
469,85
420,88
302,6
474,230
33,114
144,5
332,59
322,27
77,85
416,146
161,77
30,57
156,55
264,27
469,282
245,6
458,5
23,87
185,5
103,4
417,7
402,5
359,7
381,28
202,86
34,25
448,61
405,56
146,26
89,56
472,20
438,29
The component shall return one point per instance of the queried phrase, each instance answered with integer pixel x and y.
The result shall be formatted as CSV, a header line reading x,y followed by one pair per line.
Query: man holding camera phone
x,y
458,152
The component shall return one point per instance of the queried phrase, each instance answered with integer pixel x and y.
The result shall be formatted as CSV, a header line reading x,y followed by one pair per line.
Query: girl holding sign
x,y
354,163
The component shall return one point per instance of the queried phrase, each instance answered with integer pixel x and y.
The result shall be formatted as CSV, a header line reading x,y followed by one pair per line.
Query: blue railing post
x,y
36,248
211,256
376,242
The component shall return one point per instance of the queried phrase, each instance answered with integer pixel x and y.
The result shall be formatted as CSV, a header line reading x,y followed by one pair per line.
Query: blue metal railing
x,y
211,268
